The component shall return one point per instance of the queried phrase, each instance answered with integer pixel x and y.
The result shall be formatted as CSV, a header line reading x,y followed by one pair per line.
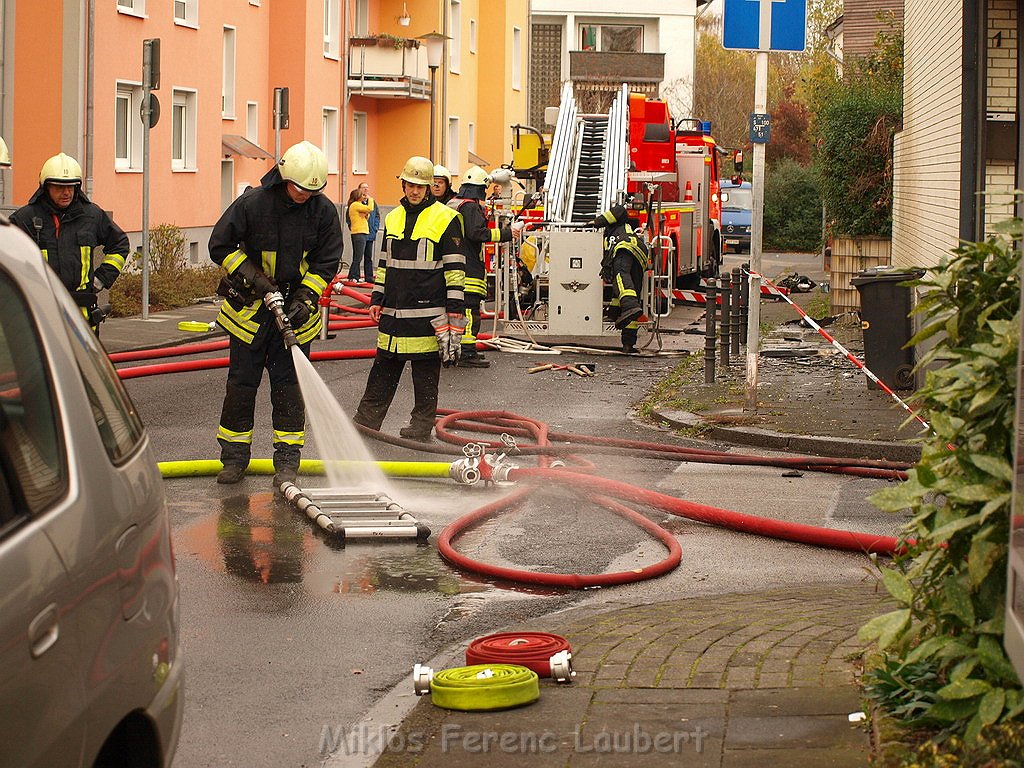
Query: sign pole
x,y
756,232
147,114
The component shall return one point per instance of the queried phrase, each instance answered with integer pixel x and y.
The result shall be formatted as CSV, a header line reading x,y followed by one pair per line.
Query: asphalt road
x,y
285,634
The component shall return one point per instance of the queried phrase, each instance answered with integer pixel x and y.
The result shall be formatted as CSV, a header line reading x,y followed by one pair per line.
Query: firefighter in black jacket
x,y
441,186
67,227
469,204
281,236
417,302
625,260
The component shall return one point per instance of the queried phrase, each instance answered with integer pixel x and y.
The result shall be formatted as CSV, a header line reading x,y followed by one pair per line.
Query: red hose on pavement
x,y
222,362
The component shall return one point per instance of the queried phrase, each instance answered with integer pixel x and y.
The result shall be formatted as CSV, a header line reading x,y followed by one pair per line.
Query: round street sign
x,y
154,110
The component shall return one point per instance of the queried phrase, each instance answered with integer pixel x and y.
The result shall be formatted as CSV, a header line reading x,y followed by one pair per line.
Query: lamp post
x,y
435,52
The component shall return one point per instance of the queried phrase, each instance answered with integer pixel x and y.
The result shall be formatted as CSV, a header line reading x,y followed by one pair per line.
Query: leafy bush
x,y
172,283
951,582
792,208
997,746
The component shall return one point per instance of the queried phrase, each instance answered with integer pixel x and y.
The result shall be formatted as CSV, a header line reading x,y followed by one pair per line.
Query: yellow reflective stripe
x,y
469,336
454,278
495,234
116,260
233,261
290,438
239,323
379,275
85,252
314,282
310,329
230,436
609,217
407,345
269,263
476,285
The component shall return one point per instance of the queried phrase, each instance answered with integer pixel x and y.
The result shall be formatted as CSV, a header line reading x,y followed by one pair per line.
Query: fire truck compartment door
x,y
574,283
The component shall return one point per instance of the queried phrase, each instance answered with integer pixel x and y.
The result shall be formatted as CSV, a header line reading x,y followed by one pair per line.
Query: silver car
x,y
90,671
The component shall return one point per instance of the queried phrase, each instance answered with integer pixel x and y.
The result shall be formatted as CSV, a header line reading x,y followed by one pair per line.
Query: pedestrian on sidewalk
x,y
283,236
419,281
68,228
373,226
477,230
357,213
625,259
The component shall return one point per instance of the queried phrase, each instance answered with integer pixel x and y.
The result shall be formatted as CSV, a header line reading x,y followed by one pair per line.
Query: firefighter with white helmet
x,y
470,205
441,186
282,237
417,302
68,228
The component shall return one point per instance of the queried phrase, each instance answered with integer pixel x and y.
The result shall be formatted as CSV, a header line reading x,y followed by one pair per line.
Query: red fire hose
x,y
532,650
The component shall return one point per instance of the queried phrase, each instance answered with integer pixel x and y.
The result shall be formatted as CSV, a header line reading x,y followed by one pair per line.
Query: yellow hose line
x,y
484,687
202,467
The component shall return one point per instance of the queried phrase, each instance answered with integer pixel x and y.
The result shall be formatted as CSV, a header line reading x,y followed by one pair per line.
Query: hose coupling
x,y
465,471
499,467
556,464
561,667
421,677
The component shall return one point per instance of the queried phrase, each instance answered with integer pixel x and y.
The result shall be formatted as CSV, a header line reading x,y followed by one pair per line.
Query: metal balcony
x,y
381,70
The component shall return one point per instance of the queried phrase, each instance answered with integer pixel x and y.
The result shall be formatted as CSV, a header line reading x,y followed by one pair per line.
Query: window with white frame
x,y
330,138
623,38
227,98
127,127
183,130
136,7
186,12
362,27
517,59
454,152
455,35
472,35
471,137
252,121
359,138
331,46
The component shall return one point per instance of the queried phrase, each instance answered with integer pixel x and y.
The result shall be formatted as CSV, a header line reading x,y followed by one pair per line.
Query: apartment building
x,y
357,75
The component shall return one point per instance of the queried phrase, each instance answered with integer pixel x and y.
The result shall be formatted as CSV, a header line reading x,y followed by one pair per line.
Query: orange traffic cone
x,y
688,195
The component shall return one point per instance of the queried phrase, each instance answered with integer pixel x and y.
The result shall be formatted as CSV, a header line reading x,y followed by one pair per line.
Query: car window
x,y
32,454
116,418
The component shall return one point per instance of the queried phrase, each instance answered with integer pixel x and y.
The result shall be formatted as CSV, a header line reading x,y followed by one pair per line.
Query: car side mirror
x,y
737,161
725,197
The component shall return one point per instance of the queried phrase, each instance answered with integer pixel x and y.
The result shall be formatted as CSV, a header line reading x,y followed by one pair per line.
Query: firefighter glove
x,y
449,330
301,306
255,277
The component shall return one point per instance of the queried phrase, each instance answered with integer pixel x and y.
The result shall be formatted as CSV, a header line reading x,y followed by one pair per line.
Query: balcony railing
x,y
616,68
388,69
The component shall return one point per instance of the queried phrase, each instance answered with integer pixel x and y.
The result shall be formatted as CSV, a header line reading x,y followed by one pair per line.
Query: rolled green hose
x,y
203,467
484,687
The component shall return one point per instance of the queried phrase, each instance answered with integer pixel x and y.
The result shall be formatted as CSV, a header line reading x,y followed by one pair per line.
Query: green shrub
x,y
172,283
951,583
997,746
792,208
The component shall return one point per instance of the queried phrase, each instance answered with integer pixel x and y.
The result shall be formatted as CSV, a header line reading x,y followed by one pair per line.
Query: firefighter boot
x,y
417,433
629,313
235,432
289,417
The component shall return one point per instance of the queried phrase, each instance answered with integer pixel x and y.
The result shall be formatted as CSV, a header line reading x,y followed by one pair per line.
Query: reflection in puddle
x,y
262,539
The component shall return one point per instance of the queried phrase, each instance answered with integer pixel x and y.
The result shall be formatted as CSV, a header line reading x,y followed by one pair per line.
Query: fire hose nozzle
x,y
421,677
275,303
561,667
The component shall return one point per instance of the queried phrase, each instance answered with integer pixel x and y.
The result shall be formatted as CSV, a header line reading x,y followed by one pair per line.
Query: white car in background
x,y
90,672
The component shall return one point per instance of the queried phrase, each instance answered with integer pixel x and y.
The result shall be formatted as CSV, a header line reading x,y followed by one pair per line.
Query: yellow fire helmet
x,y
418,170
305,165
477,175
61,169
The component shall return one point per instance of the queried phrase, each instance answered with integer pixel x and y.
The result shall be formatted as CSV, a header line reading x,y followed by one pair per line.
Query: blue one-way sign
x,y
765,25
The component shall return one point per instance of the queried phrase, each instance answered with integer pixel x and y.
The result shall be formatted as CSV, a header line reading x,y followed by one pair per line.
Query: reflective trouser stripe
x,y
407,345
230,436
289,438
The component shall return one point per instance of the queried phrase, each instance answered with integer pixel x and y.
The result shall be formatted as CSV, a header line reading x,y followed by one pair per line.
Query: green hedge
x,y
792,208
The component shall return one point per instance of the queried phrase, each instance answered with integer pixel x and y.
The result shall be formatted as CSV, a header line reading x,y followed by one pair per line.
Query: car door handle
x,y
44,630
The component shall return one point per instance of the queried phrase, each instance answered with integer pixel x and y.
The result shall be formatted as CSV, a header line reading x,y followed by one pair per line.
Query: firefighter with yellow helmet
x,y
623,265
68,228
5,155
283,236
417,302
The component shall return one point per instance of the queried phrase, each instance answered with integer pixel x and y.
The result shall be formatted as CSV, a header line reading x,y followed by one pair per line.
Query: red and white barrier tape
x,y
848,355
696,297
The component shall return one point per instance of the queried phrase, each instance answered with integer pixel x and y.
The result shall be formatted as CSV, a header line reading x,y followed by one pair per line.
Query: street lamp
x,y
435,52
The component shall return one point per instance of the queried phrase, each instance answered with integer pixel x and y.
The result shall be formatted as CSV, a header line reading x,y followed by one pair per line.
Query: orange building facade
x,y
358,79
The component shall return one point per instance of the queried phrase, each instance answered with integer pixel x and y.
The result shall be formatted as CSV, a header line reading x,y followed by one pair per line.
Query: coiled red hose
x,y
532,650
